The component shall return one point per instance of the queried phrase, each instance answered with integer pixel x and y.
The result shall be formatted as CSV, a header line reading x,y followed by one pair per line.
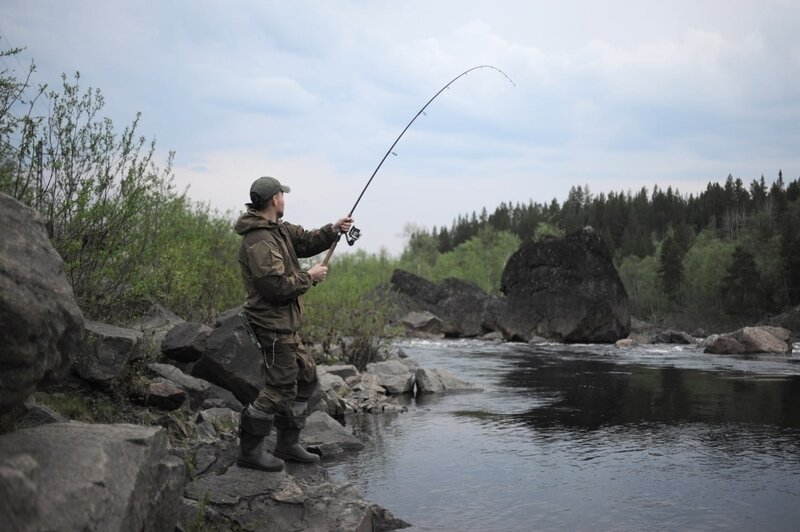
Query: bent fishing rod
x,y
354,233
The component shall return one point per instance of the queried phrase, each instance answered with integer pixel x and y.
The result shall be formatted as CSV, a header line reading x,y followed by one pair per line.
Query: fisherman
x,y
275,284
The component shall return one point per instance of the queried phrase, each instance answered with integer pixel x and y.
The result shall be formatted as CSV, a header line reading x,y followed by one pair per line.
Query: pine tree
x,y
671,269
741,287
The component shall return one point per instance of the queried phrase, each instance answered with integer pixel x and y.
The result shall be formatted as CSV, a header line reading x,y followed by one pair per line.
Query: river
x,y
588,437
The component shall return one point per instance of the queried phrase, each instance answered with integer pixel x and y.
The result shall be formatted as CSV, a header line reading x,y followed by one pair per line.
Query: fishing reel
x,y
352,235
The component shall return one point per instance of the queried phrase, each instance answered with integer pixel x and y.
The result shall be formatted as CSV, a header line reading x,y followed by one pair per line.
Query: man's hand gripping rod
x,y
354,233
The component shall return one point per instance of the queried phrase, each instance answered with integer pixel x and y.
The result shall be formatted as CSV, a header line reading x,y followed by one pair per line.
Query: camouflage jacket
x,y
268,259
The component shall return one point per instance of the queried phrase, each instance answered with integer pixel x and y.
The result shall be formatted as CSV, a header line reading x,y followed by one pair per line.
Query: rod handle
x,y
330,252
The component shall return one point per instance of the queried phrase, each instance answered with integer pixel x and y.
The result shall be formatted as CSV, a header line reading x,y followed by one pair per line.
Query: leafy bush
x,y
127,239
345,310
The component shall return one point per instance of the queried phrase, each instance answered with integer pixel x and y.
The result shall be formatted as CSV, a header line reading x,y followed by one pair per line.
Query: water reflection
x,y
588,394
580,438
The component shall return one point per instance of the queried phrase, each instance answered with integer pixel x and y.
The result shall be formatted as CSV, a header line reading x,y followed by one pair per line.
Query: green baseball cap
x,y
266,187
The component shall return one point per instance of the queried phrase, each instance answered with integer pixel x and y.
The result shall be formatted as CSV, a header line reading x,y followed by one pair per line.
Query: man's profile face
x,y
279,204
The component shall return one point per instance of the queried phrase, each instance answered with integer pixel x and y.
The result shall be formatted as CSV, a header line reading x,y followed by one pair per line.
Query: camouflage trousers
x,y
290,378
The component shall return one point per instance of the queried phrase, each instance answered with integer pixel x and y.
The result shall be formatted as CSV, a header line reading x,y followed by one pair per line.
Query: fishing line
x,y
354,233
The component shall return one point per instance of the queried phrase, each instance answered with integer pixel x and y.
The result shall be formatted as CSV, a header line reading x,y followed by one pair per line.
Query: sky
x,y
613,95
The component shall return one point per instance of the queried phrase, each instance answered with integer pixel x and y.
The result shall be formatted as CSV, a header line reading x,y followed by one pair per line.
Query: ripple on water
x,y
589,437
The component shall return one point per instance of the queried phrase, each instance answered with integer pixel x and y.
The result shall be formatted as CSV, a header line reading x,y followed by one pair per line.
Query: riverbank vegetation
x,y
130,239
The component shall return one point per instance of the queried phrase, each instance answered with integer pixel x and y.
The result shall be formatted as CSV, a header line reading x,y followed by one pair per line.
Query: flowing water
x,y
588,437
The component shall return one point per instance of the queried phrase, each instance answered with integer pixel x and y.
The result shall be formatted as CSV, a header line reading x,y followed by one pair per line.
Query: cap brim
x,y
284,188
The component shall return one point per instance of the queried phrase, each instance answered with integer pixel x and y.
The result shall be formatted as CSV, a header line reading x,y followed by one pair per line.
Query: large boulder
x,y
474,312
41,326
74,476
565,289
749,340
201,393
230,359
455,308
106,352
415,287
186,341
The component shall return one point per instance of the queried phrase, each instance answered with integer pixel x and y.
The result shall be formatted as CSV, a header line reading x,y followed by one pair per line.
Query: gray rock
x,y
19,478
205,432
494,336
455,308
155,325
761,339
344,371
202,394
439,381
74,476
302,497
329,381
565,289
186,341
473,311
423,322
671,336
627,343
415,287
329,435
106,352
394,376
162,394
36,414
41,326
788,320
231,360
223,419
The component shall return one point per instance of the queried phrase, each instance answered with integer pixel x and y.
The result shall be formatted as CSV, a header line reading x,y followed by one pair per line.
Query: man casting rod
x,y
353,235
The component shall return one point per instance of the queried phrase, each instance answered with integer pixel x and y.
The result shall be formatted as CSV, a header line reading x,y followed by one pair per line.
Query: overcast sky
x,y
615,95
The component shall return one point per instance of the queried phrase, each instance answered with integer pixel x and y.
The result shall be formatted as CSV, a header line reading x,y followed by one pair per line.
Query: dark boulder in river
x,y
565,289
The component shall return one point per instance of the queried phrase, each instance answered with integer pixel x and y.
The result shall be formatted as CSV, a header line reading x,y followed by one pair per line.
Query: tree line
x,y
129,239
728,253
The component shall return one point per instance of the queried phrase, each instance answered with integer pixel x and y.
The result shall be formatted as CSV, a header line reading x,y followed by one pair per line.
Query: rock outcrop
x,y
106,352
186,341
230,359
74,476
751,340
41,326
565,289
455,308
787,320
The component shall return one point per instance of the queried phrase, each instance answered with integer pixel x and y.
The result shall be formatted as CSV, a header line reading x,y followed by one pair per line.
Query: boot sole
x,y
251,465
293,458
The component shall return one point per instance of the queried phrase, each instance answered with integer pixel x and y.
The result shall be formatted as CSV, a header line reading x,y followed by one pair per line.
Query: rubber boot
x,y
252,431
288,447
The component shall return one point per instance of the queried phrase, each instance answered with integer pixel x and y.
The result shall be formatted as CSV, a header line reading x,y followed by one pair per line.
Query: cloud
x,y
612,93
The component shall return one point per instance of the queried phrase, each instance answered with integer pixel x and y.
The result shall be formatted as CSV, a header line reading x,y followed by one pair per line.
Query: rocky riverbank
x,y
186,429
135,428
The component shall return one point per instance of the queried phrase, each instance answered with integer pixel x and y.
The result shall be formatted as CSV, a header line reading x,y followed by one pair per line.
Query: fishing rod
x,y
354,233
